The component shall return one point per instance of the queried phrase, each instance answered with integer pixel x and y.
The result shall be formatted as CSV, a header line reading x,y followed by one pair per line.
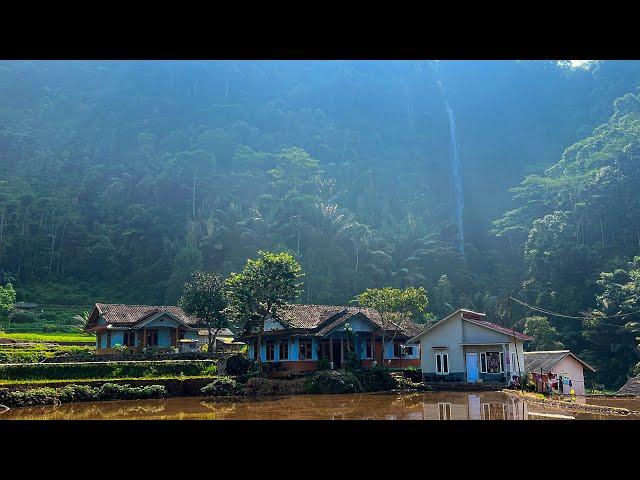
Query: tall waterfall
x,y
456,177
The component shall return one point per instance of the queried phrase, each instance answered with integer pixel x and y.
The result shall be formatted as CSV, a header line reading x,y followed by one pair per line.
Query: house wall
x,y
455,331
570,367
447,334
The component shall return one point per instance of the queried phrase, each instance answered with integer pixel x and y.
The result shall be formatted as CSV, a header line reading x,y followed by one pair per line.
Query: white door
x,y
472,367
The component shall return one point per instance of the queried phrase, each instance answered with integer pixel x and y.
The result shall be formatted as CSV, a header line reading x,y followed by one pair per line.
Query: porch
x,y
488,362
300,353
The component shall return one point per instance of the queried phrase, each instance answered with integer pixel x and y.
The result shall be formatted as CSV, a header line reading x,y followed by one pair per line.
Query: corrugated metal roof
x,y
478,319
632,387
547,360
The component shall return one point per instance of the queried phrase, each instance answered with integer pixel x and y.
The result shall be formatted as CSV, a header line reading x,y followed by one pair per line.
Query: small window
x,y
442,363
305,349
284,349
270,353
367,348
408,351
483,363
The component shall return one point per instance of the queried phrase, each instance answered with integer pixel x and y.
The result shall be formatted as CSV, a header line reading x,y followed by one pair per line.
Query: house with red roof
x,y
466,347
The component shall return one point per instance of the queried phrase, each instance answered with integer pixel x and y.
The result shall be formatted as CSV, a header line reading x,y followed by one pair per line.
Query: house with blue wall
x,y
305,335
142,327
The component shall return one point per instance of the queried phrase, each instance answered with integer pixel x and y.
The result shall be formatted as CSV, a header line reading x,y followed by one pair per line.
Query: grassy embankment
x,y
71,372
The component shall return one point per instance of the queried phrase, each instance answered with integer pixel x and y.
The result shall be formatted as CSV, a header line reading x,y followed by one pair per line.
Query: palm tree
x,y
83,319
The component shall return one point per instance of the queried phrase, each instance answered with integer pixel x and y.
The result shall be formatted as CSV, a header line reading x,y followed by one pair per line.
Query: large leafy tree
x,y
395,307
7,300
262,290
613,341
205,298
545,336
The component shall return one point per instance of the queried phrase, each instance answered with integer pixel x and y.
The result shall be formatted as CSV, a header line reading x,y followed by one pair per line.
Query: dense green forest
x,y
119,179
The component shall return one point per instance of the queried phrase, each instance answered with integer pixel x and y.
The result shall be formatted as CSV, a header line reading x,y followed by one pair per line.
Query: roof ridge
x,y
548,351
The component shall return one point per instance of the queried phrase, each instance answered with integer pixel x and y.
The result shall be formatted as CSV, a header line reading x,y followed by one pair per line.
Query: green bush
x,y
23,317
375,379
47,317
62,371
237,364
333,381
323,364
29,398
113,391
220,387
77,393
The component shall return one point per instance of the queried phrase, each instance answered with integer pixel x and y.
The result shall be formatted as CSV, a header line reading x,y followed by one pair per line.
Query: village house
x,y
305,335
141,327
558,370
224,343
465,347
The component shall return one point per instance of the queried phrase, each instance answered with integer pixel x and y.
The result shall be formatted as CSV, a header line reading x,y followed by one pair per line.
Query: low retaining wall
x,y
132,357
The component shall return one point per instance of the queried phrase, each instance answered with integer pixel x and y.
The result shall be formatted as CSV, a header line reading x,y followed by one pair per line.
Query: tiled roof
x,y
127,315
324,318
547,360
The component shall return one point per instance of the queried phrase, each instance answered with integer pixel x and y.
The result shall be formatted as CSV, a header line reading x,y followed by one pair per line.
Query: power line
x,y
561,315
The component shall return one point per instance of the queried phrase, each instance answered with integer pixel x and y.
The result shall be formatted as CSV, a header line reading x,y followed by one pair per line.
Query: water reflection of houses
x,y
475,407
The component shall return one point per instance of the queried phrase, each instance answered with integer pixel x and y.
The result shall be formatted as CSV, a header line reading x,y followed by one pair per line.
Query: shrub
x,y
22,317
77,393
47,317
221,386
61,371
323,363
29,398
112,391
375,379
333,381
210,369
237,364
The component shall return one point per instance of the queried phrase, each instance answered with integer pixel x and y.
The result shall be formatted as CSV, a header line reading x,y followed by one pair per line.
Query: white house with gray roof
x,y
465,347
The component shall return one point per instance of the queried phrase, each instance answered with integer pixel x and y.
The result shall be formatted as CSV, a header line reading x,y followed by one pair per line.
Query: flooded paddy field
x,y
414,406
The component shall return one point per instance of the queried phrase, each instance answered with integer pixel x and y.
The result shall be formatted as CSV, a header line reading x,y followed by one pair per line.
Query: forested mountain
x,y
118,179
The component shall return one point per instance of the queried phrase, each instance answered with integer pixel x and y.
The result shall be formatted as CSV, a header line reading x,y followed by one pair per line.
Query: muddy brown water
x,y
415,406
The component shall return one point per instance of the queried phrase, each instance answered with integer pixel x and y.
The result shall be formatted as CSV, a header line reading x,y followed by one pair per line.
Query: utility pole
x,y
513,331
